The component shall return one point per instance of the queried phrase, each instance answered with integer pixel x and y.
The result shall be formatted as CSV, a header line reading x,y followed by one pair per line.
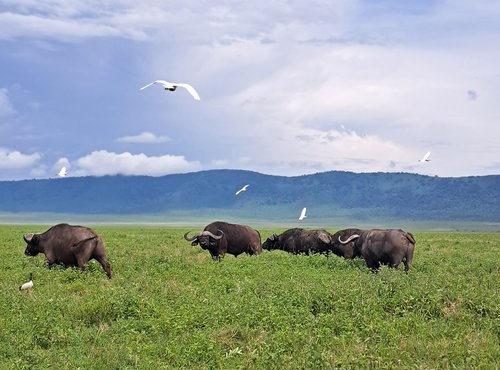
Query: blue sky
x,y
287,87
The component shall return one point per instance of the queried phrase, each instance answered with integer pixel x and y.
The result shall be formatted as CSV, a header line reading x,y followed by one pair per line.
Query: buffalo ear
x,y
194,243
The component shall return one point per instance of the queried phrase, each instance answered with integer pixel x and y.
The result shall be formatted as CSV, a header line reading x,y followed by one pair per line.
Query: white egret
x,y
171,86
63,172
302,214
425,158
27,285
244,188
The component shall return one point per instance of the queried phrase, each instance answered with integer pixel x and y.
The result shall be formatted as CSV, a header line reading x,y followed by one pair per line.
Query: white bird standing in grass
x,y
63,172
302,214
27,285
244,188
425,158
171,86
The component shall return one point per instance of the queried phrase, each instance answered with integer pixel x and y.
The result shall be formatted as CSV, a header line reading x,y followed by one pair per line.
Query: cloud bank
x,y
13,159
102,162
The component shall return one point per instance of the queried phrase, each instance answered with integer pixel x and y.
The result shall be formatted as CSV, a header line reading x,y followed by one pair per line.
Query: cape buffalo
x,y
220,238
376,246
300,241
68,245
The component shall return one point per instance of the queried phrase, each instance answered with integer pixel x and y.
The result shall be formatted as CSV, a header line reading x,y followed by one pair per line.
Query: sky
x,y
287,87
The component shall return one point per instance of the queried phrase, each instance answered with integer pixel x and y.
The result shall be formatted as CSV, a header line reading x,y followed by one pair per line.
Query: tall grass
x,y
170,306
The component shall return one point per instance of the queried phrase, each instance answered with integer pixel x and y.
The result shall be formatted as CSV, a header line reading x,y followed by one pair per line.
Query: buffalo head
x,y
206,239
32,244
271,242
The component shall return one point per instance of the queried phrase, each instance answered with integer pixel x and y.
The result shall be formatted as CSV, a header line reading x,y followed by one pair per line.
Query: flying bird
x,y
425,158
27,285
302,214
244,188
63,172
171,86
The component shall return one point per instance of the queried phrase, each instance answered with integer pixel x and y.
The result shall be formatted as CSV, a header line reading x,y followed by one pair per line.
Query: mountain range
x,y
327,195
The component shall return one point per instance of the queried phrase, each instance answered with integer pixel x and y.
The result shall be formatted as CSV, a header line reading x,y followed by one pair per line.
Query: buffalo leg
x,y
409,257
105,265
373,264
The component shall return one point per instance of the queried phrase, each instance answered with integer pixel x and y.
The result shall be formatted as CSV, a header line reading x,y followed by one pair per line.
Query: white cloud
x,y
102,162
13,159
311,150
144,138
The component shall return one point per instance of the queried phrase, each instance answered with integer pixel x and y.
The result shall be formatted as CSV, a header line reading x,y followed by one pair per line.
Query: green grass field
x,y
169,306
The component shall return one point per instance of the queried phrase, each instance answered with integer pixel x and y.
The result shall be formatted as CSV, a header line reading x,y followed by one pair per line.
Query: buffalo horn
x,y
324,238
217,237
352,237
191,238
27,238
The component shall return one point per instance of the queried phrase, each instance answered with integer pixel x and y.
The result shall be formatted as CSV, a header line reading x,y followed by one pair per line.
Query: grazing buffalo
x,y
220,238
376,246
68,245
300,241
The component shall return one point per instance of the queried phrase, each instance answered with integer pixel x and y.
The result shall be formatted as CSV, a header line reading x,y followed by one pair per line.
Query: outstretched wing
x,y
142,88
189,88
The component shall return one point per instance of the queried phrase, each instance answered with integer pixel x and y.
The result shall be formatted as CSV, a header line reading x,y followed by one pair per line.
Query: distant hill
x,y
327,195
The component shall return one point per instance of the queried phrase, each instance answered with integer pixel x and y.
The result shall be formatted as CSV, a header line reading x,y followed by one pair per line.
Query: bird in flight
x,y
244,188
302,214
63,172
27,285
171,86
425,158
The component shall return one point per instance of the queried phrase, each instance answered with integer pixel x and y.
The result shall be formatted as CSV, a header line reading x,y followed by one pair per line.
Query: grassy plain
x,y
169,306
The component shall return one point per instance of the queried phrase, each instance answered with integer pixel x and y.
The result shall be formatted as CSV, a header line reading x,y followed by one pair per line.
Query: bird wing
x,y
27,285
189,88
142,88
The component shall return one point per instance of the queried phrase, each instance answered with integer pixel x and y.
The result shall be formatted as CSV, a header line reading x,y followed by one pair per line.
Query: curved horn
x,y
217,237
352,237
189,239
27,238
273,237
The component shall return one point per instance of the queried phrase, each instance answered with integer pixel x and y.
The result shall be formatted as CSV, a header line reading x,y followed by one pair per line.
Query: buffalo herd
x,y
70,245
376,246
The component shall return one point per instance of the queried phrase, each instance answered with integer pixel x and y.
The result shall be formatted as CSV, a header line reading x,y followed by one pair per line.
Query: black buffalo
x,y
376,246
68,245
220,238
300,241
